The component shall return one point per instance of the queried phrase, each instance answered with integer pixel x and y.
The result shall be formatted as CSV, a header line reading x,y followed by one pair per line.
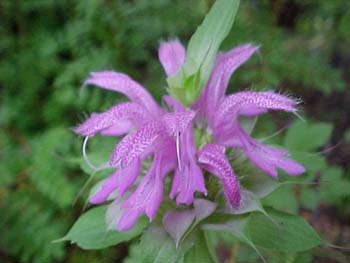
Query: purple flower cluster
x,y
167,136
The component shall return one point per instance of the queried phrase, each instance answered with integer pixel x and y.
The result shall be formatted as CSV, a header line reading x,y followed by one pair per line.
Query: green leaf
x,y
282,199
200,252
188,82
284,233
90,230
292,234
238,227
309,198
249,203
304,136
334,186
313,162
180,224
156,246
177,223
260,184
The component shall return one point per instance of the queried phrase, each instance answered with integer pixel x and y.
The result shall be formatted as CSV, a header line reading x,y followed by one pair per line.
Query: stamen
x,y
178,150
86,159
274,134
299,116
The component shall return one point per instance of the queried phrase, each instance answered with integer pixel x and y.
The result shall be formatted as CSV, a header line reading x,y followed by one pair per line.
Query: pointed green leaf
x,y
90,230
201,52
305,136
291,234
200,252
157,246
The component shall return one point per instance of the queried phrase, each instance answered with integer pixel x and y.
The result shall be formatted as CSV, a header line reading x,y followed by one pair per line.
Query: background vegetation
x,y
47,48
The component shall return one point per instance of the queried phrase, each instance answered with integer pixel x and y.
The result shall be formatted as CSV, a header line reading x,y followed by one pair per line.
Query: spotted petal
x,y
225,65
250,103
178,122
212,156
135,145
117,120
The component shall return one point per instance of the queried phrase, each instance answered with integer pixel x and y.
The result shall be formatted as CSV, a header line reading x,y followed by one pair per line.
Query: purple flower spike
x,y
170,137
212,156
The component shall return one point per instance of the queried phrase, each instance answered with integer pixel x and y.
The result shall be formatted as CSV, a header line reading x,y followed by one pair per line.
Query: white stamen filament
x,y
299,116
90,164
178,150
273,135
86,159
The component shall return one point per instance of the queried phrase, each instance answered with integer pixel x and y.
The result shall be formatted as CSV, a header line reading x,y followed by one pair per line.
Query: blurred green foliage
x,y
48,48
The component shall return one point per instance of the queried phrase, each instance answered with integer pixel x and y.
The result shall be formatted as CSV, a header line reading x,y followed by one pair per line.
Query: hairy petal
x,y
116,120
171,55
213,158
226,64
134,145
121,180
124,84
252,103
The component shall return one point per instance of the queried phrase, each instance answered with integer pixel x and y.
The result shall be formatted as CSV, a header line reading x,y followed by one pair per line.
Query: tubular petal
x,y
268,159
124,84
213,158
171,55
148,195
252,102
102,122
121,180
225,65
189,178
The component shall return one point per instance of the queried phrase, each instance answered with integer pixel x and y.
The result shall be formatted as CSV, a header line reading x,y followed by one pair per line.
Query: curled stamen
x,y
86,159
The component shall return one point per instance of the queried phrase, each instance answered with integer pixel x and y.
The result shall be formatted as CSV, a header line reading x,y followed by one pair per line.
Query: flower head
x,y
167,136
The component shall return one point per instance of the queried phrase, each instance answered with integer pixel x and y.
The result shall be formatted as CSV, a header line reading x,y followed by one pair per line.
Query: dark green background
x,y
47,49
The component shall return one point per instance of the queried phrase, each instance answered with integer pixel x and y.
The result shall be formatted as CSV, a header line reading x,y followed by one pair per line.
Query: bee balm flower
x,y
168,136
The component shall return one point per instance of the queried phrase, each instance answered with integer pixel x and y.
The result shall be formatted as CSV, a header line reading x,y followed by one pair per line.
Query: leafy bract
x,y
285,233
291,234
200,252
90,231
157,246
204,44
178,224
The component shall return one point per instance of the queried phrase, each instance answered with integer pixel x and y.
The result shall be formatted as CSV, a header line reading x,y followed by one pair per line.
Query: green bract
x,y
189,81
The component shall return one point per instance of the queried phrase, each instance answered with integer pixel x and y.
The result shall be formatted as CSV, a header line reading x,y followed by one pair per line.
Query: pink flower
x,y
168,136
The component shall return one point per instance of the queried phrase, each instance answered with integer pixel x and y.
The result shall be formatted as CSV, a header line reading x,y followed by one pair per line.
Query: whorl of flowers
x,y
183,141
